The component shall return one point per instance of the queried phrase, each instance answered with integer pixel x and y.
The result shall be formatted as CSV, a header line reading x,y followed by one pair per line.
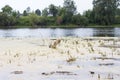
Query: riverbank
x,y
63,26
69,58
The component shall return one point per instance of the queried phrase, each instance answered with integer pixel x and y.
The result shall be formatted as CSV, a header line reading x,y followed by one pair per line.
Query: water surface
x,y
60,32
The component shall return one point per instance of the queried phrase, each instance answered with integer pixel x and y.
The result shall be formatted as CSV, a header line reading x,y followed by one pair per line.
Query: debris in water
x,y
17,72
106,64
59,73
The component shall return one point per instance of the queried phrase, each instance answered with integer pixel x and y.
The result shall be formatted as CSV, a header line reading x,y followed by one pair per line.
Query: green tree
x,y
34,19
7,17
89,15
104,11
70,7
28,10
3,19
53,10
15,17
117,17
118,12
61,11
16,14
38,12
59,20
45,12
69,10
42,21
7,9
25,13
24,21
6,20
79,20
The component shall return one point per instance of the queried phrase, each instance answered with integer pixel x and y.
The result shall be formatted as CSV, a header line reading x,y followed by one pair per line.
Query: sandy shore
x,y
71,59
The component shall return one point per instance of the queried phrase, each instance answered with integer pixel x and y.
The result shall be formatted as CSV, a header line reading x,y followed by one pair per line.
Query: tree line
x,y
104,12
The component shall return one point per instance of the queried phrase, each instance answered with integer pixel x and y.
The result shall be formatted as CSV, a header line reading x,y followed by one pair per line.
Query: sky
x,y
82,5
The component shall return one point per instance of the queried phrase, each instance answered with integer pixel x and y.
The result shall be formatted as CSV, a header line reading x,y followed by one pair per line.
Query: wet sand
x,y
70,59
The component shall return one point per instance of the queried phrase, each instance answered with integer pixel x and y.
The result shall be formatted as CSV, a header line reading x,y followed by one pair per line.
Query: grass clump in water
x,y
71,58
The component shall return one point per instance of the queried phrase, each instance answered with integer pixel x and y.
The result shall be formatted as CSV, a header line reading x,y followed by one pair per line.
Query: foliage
x,y
79,20
16,14
89,15
69,9
38,12
42,21
104,11
53,10
7,9
117,19
3,19
6,20
25,13
45,12
28,10
24,21
51,20
59,20
34,19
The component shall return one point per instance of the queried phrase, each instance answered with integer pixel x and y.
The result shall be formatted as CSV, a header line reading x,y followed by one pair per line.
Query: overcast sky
x,y
21,5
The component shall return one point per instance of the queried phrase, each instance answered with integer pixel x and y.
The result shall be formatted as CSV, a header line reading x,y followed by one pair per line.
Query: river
x,y
60,32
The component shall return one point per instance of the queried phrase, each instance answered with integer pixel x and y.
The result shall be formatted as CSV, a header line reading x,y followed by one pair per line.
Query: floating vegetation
x,y
78,66
106,58
91,72
110,46
106,64
54,44
17,72
58,73
71,58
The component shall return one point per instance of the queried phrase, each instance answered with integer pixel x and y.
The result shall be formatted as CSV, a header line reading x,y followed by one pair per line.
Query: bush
x,y
79,20
34,19
117,20
51,20
59,20
6,20
24,21
42,21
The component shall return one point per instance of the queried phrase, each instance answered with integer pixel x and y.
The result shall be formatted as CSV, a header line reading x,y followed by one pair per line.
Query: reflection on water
x,y
60,32
104,32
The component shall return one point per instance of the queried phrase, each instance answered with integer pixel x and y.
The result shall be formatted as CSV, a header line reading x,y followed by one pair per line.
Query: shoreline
x,y
62,26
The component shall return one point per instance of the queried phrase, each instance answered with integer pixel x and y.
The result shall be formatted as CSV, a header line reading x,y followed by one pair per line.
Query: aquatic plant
x,y
54,44
71,58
